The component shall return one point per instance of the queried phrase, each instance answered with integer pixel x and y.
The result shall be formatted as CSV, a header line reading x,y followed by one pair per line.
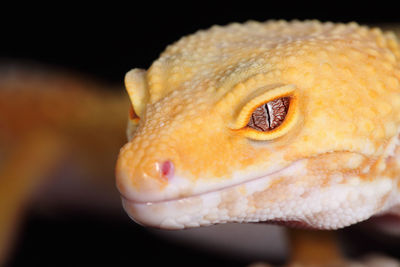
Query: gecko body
x,y
59,135
295,122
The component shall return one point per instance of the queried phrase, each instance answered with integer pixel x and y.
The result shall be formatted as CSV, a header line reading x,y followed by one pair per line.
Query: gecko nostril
x,y
166,169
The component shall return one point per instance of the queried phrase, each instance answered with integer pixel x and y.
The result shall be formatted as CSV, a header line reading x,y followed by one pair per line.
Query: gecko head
x,y
263,122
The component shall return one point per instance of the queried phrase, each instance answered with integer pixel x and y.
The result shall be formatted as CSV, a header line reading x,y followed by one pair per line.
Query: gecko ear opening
x,y
269,115
135,83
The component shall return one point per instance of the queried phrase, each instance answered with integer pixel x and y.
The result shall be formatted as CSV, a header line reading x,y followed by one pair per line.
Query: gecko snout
x,y
147,180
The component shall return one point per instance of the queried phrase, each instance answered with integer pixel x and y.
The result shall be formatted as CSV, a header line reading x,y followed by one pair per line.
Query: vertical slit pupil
x,y
270,115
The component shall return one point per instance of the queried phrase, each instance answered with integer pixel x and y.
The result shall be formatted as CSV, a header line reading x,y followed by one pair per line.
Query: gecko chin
x,y
293,194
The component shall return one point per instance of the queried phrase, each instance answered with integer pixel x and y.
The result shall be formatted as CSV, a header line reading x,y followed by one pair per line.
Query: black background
x,y
105,41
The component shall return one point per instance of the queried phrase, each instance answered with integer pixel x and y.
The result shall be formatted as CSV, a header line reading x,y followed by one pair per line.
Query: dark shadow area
x,y
107,41
82,240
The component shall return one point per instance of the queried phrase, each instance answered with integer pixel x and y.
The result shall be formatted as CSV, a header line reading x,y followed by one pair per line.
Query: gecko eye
x,y
133,122
269,115
133,117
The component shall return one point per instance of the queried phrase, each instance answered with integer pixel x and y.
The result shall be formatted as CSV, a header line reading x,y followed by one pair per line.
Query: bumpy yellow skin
x,y
345,78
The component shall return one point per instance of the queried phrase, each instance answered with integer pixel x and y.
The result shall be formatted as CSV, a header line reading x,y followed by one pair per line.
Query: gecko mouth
x,y
292,193
180,188
182,212
205,191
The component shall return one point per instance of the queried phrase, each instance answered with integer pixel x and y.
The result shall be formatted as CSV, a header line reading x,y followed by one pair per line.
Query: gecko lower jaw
x,y
199,209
